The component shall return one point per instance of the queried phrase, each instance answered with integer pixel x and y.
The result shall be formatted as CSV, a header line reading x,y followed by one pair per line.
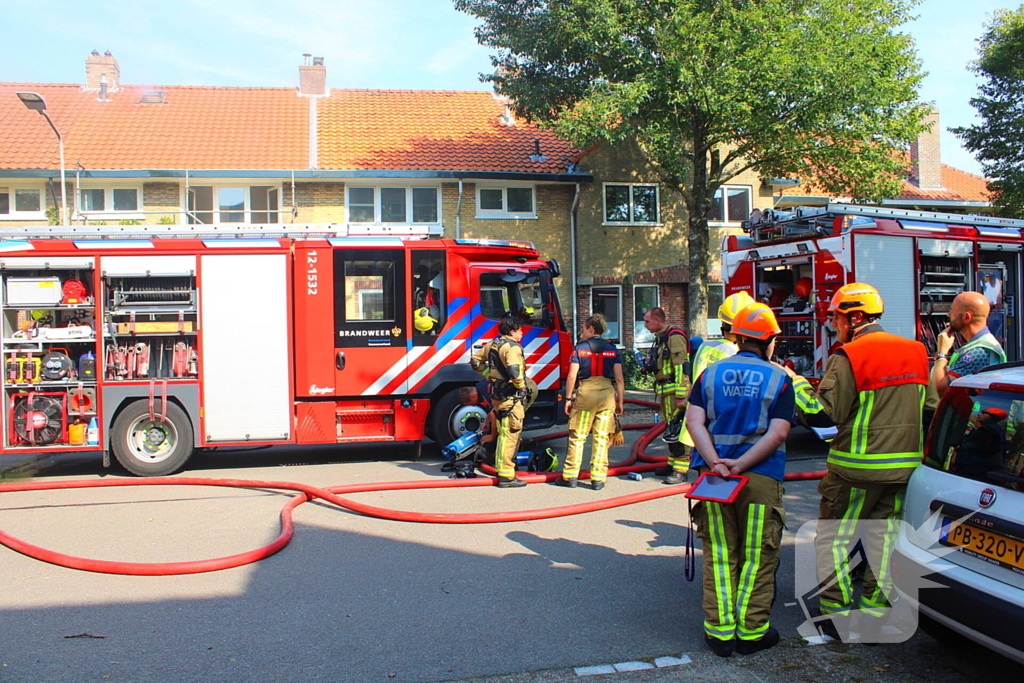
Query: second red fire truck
x,y
919,261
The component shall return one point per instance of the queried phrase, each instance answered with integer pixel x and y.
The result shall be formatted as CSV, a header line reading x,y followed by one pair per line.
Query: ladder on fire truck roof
x,y
772,225
924,216
229,231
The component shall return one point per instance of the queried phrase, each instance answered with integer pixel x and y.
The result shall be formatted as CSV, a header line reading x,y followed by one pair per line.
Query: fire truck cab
x,y
149,342
919,261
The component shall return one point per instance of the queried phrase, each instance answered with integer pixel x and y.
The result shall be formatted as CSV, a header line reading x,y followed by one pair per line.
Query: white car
x,y
964,510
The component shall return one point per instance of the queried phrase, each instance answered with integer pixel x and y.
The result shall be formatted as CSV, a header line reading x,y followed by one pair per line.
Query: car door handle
x,y
339,360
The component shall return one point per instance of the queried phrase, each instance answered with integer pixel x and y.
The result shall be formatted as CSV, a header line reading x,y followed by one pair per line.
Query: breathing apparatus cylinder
x,y
461,446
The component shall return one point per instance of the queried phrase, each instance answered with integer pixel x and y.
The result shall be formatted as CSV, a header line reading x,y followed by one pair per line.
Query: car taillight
x,y
1005,386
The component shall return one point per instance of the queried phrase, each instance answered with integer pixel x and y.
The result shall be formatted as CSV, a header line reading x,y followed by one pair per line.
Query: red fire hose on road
x,y
333,494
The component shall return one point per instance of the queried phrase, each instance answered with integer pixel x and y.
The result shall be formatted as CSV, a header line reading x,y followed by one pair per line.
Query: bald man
x,y
968,316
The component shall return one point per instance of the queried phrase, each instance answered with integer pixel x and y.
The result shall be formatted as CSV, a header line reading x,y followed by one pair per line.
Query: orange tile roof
x,y
969,186
268,129
432,130
958,186
197,128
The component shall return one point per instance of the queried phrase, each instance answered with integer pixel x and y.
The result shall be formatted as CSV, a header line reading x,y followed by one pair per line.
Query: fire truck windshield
x,y
526,297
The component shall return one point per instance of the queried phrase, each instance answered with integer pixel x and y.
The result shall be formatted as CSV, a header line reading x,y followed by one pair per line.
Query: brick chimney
x,y
97,66
925,158
313,77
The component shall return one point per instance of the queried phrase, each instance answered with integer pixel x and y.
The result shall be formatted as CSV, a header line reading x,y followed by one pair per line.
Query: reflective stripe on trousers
x,y
678,458
580,424
509,429
850,512
740,544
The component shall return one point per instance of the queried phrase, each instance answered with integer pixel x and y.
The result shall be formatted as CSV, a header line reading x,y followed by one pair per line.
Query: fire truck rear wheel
x,y
450,419
151,447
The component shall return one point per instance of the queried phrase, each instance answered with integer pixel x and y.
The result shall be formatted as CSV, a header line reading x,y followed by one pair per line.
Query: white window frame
x,y
503,212
247,209
108,202
620,335
377,209
604,204
11,188
714,324
362,303
733,220
639,330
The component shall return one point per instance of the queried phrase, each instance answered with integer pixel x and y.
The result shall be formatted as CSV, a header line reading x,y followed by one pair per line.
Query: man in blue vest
x,y
740,412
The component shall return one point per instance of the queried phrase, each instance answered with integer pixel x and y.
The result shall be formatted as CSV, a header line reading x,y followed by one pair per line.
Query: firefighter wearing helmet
x,y
740,413
874,389
510,395
710,351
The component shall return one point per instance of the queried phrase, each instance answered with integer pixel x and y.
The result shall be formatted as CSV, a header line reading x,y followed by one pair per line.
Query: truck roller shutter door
x,y
244,309
887,263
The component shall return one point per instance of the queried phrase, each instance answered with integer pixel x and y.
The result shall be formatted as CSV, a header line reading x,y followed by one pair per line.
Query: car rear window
x,y
979,434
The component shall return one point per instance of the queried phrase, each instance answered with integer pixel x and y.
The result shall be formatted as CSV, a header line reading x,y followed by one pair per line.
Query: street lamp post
x,y
36,102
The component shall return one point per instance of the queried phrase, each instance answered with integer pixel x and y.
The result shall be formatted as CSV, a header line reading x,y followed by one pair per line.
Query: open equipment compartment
x,y
786,286
49,341
151,313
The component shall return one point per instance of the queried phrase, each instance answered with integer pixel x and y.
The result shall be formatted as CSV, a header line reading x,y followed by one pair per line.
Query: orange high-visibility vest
x,y
880,360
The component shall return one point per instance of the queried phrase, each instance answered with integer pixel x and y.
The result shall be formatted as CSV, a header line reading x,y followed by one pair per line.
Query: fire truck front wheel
x,y
450,419
151,445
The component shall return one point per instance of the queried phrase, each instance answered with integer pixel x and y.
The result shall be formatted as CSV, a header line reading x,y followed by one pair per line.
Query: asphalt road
x,y
353,598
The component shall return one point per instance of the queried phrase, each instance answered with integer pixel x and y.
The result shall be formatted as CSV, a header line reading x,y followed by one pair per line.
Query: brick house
x,y
457,162
632,244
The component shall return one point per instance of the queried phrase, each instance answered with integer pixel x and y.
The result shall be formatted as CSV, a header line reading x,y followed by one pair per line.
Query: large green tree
x,y
998,141
820,89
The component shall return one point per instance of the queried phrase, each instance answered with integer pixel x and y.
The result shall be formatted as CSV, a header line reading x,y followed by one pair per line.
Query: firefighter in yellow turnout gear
x,y
740,413
667,360
711,351
596,391
509,396
874,389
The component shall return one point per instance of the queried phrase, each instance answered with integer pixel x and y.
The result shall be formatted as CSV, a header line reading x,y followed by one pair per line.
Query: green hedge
x,y
634,378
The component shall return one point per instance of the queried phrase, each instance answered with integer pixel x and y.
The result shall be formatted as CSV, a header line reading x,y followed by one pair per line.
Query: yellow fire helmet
x,y
733,304
422,319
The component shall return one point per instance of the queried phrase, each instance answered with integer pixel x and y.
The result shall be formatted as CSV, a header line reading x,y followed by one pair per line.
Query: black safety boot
x,y
663,471
769,639
676,477
597,484
569,483
512,483
722,648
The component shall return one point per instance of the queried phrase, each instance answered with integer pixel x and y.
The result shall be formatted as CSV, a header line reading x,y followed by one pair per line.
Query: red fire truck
x,y
919,261
151,342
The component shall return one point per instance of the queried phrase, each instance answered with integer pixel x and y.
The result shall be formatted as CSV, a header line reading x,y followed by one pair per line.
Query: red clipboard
x,y
716,488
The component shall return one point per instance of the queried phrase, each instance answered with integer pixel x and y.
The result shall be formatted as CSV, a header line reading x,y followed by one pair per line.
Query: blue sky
x,y
405,44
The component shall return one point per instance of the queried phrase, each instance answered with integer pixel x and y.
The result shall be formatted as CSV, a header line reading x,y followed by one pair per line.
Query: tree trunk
x,y
697,291
698,207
